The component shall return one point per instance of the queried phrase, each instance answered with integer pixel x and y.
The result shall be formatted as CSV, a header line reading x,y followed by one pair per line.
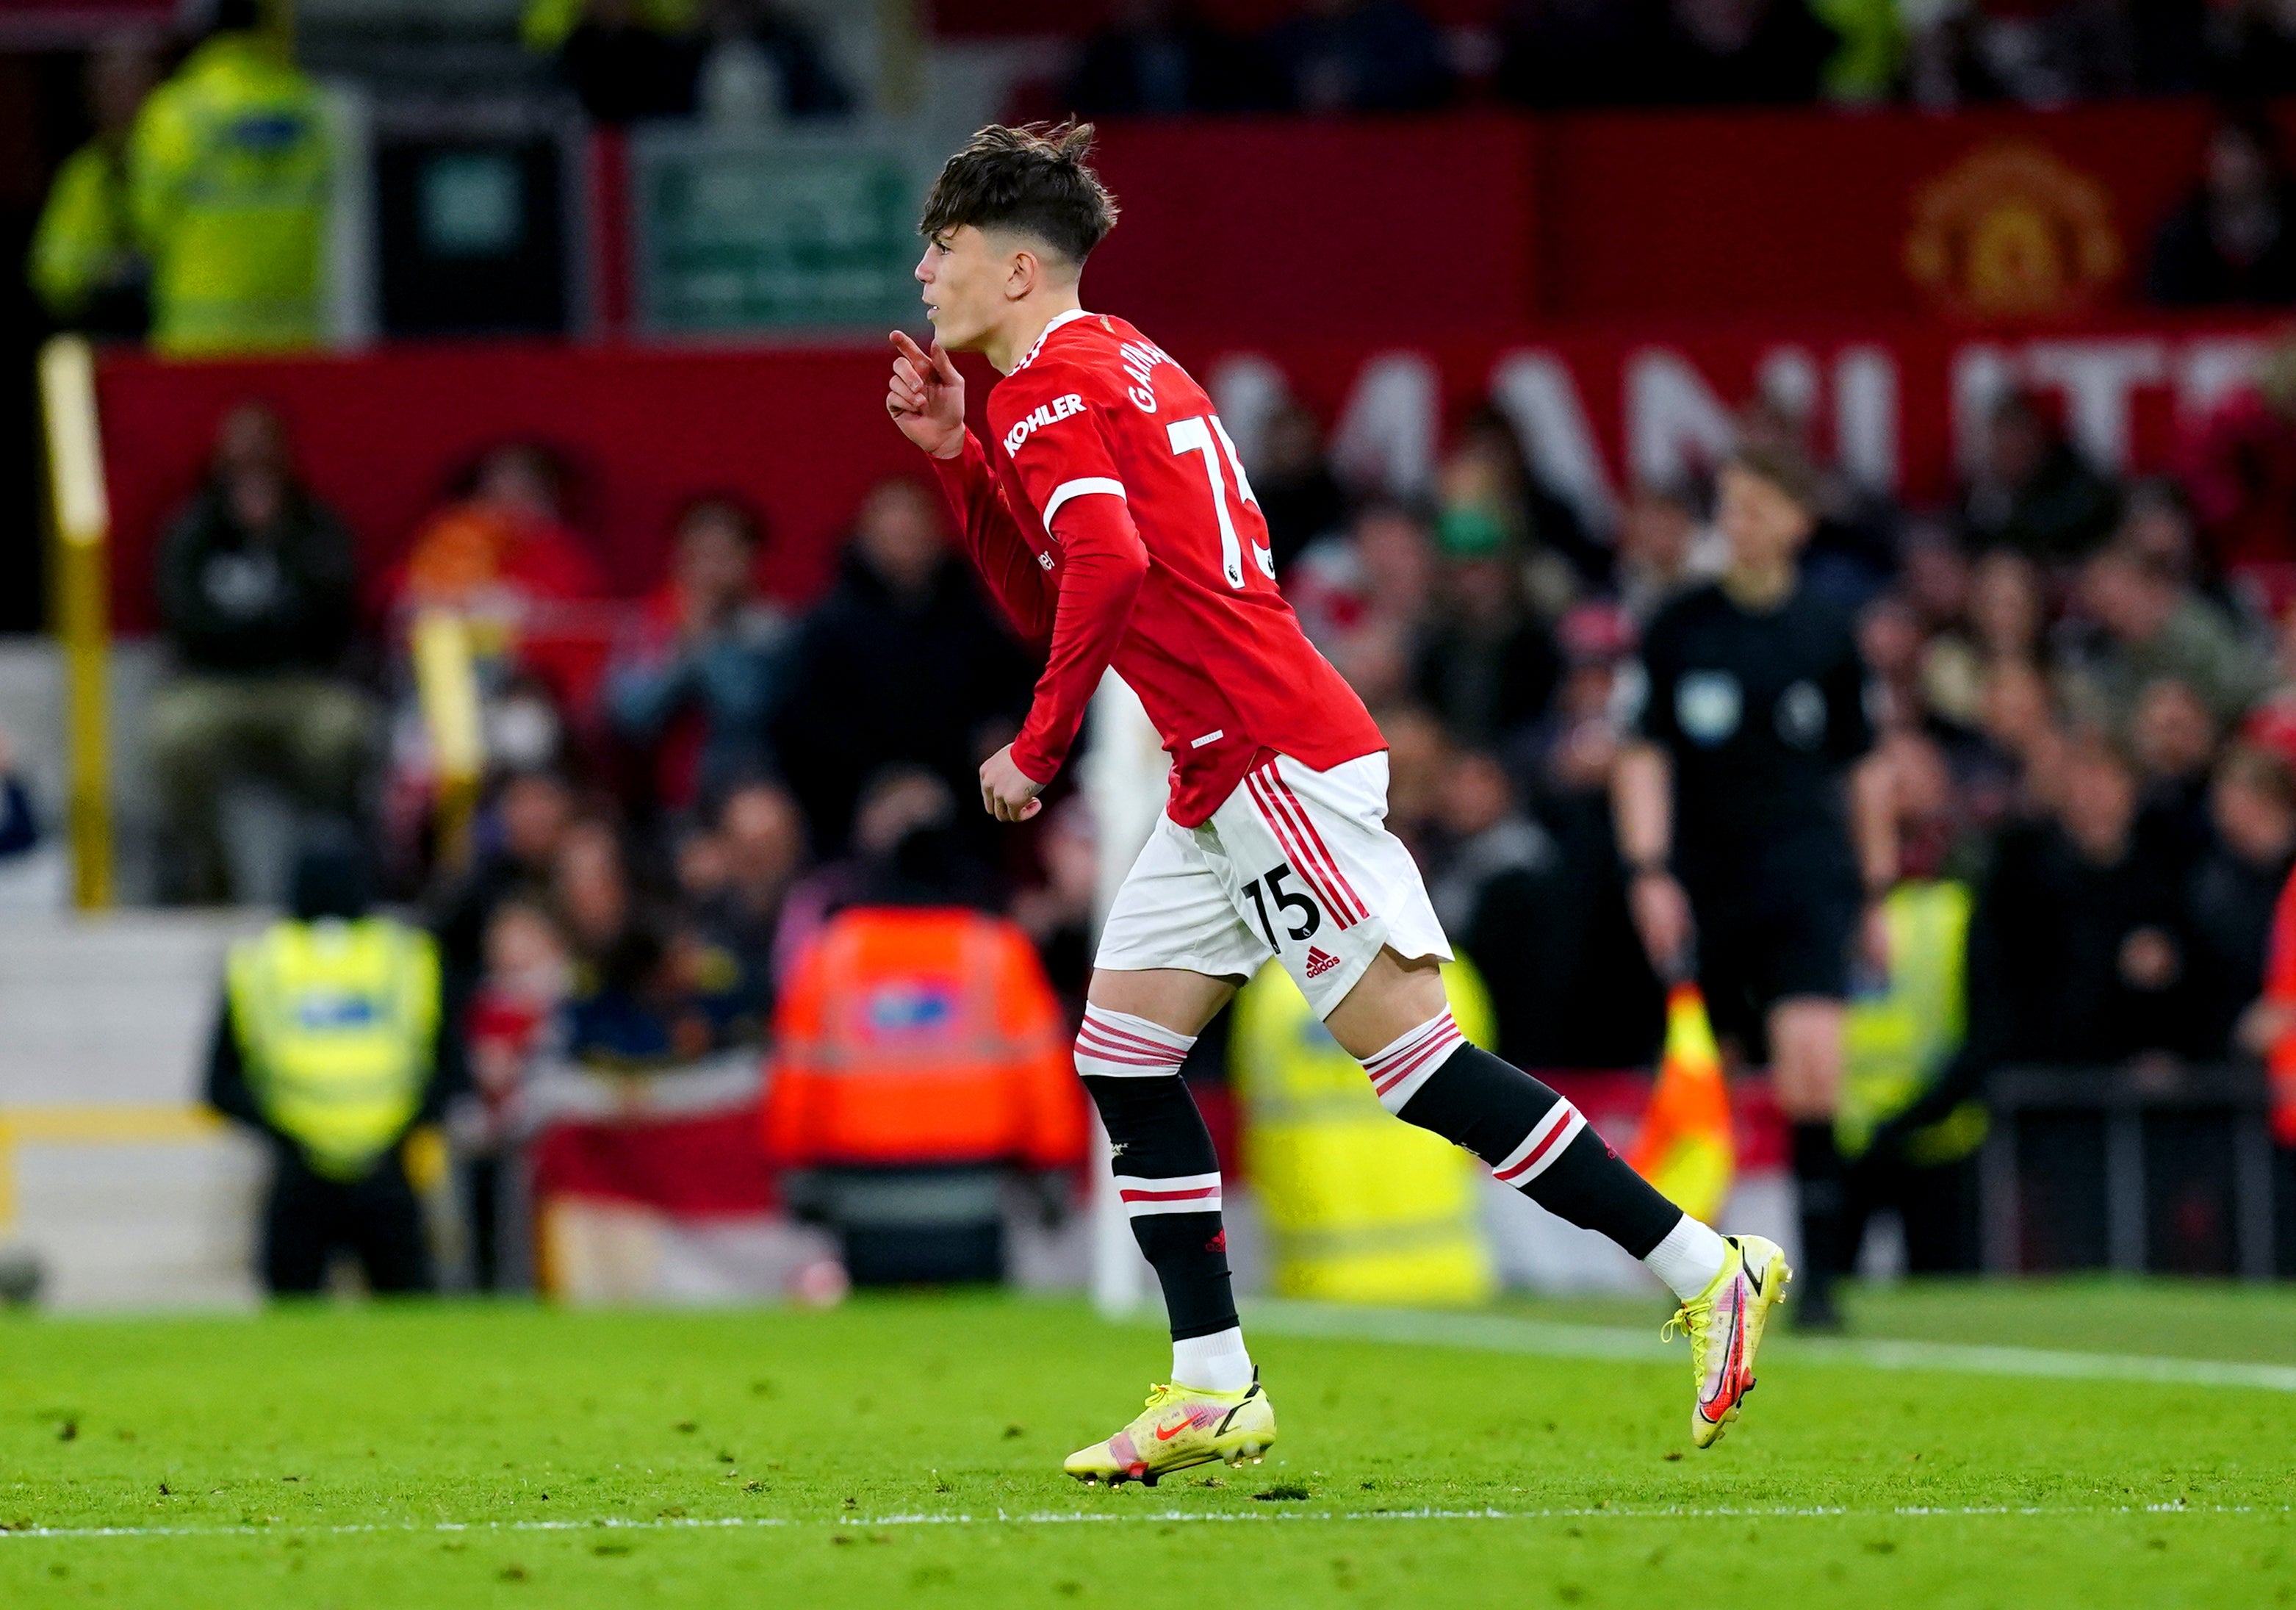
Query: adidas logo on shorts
x,y
1320,961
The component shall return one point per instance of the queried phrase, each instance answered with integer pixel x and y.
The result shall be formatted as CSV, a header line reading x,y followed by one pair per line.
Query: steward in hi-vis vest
x,y
1358,1207
330,1042
1911,1122
229,172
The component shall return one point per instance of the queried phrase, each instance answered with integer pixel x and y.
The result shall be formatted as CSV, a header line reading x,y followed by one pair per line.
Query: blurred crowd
x,y
2086,689
1167,56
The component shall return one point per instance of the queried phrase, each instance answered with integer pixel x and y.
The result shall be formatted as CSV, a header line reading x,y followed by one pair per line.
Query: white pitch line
x,y
1141,1517
1502,1333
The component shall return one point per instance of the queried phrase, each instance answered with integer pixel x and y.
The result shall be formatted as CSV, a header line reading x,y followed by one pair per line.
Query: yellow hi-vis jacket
x,y
1358,1206
228,170
85,237
1897,1042
336,1023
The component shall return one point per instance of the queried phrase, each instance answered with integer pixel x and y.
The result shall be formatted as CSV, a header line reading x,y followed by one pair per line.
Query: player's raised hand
x,y
926,397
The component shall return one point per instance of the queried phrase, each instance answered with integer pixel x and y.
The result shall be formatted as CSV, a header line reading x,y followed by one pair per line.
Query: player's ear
x,y
1023,274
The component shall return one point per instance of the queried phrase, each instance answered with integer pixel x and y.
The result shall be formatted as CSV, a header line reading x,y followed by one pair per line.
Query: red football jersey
x,y
1106,449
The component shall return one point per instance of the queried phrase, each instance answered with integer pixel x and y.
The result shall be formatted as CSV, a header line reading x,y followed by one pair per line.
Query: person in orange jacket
x,y
921,1056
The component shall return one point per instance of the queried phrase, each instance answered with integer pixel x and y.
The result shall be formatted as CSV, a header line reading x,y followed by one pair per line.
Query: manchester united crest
x,y
2012,231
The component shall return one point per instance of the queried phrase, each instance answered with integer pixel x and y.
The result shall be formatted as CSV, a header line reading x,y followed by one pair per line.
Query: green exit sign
x,y
770,233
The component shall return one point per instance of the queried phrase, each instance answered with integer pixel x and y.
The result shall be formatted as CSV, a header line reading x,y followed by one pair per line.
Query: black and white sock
x,y
1168,1177
1540,1145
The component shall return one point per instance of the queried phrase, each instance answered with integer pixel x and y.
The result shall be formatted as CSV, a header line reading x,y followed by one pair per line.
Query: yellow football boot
x,y
1725,1324
1183,1426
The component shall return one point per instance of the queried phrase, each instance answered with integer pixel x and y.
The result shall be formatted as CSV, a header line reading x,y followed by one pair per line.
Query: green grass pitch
x,y
906,1451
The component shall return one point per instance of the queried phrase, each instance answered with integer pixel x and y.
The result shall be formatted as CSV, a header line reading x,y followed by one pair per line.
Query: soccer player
x,y
1754,827
1113,518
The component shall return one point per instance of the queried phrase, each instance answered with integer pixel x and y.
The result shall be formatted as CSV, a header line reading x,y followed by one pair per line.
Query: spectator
x,y
2002,627
761,65
1358,55
2014,770
1570,752
2173,740
2073,954
526,981
2156,524
901,662
229,169
519,839
2031,491
2239,469
1362,595
2044,55
258,589
504,539
1298,494
1487,469
695,690
2150,628
1486,665
650,994
501,551
1737,51
333,1044
2233,241
628,58
87,265
759,845
2230,896
1890,638
1663,550
1935,576
1605,1009
1499,891
1160,58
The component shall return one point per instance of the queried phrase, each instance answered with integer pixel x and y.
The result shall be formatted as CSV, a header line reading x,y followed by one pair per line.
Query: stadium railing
x,y
2068,1146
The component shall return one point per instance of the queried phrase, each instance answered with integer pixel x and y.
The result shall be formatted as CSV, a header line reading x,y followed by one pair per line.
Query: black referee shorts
x,y
1758,947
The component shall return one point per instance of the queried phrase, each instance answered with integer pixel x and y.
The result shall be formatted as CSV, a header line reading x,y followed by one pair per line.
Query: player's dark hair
x,y
1783,467
1032,180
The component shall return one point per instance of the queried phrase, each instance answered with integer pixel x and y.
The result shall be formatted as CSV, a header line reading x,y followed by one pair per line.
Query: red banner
x,y
1498,222
802,432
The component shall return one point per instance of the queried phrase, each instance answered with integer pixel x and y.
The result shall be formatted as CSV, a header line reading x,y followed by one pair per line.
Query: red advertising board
x,y
1499,223
803,433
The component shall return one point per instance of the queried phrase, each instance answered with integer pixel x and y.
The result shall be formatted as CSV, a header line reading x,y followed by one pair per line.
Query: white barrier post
x,y
1123,774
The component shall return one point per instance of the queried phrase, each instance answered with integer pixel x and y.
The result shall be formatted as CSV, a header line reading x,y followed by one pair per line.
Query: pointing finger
x,y
943,365
908,348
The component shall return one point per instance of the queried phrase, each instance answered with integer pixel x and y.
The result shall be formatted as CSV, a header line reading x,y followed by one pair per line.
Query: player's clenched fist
x,y
926,398
1007,792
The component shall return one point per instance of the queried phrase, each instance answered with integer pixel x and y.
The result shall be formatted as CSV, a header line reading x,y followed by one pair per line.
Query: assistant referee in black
x,y
1756,826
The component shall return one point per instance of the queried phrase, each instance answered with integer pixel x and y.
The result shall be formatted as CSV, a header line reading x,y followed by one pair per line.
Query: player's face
x,y
964,282
1764,526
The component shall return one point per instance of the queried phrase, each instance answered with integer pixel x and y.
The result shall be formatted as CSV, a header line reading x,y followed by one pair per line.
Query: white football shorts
x,y
1297,864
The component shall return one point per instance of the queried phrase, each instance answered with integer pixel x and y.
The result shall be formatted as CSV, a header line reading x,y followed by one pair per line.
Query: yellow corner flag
x,y
1684,1149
